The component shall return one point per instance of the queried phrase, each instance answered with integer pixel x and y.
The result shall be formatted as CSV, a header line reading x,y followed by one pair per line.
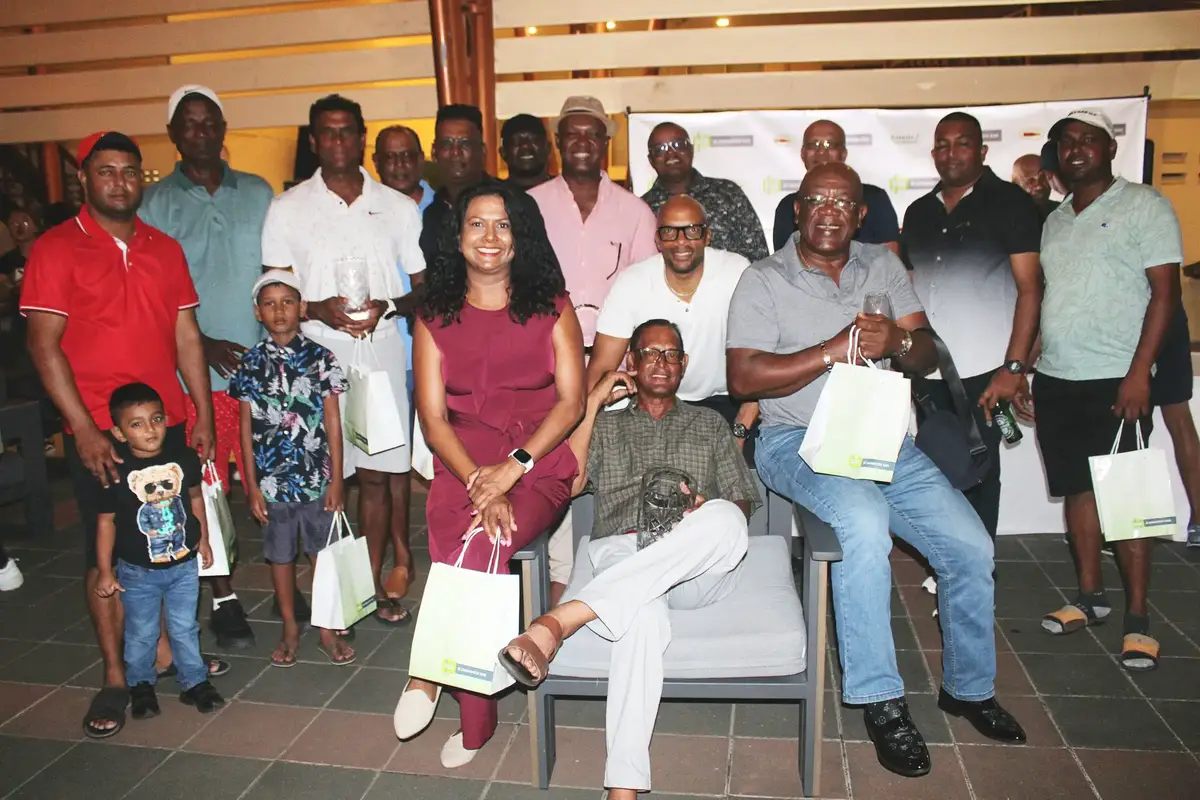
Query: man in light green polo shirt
x,y
1111,255
216,213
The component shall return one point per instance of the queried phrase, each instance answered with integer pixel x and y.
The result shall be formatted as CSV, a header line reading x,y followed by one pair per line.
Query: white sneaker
x,y
414,712
11,577
454,755
930,585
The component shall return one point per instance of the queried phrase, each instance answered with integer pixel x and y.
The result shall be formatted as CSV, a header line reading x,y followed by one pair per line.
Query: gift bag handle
x,y
338,517
209,469
493,565
360,345
1141,443
853,353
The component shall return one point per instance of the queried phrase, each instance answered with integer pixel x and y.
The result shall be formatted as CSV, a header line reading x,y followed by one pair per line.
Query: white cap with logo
x,y
1088,116
271,276
192,88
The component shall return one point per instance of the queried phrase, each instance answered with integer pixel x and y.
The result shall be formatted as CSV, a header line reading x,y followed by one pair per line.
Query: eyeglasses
x,y
652,355
823,144
815,201
464,143
662,148
670,233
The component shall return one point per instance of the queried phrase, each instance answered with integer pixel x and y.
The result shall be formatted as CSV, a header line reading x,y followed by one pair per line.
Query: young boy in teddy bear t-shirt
x,y
150,529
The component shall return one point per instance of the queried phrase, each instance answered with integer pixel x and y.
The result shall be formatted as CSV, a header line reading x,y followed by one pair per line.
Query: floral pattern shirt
x,y
286,388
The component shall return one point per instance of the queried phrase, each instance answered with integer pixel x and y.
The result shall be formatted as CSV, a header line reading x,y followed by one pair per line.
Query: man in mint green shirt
x,y
1110,254
216,213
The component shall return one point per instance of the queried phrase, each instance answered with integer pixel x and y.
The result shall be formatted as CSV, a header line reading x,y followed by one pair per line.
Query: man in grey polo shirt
x,y
789,321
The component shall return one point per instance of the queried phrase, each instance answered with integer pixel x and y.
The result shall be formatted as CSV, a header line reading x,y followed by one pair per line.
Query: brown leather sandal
x,y
529,650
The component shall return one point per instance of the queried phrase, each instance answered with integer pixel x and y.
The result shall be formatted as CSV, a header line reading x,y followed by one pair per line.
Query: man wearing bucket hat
x,y
216,214
597,229
109,302
1111,254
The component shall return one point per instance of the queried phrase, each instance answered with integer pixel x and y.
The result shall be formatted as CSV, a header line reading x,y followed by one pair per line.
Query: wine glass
x,y
878,303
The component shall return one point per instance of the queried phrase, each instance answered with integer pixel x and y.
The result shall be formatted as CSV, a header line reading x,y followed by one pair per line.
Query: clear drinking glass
x,y
663,503
353,283
878,303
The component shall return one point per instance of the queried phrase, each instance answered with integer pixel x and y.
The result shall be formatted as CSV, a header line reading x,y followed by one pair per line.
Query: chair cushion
x,y
756,632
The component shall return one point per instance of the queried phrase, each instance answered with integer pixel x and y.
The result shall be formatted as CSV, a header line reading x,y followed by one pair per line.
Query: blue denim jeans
x,y
922,508
146,591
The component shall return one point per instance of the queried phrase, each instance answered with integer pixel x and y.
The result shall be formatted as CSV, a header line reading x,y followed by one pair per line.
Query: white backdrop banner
x,y
889,148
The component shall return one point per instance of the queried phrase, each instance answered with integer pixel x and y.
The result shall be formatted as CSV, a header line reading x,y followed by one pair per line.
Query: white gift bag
x,y
422,456
372,420
221,533
1133,492
343,589
466,618
860,421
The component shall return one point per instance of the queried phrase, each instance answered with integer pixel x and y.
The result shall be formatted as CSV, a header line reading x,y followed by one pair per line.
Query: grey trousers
x,y
695,565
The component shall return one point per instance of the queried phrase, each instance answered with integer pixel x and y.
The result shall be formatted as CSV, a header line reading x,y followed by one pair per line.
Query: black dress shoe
x,y
986,715
228,623
898,744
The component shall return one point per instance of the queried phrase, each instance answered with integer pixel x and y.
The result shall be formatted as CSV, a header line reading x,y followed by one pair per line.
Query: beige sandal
x,y
528,651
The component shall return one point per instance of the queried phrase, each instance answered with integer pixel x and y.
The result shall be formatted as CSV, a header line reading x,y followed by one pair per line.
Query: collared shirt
x,y
1096,287
286,388
618,232
733,221
221,235
880,226
782,306
962,268
309,228
121,301
627,444
641,293
402,322
436,215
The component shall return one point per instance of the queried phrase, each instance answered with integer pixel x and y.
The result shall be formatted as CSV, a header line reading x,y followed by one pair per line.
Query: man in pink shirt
x,y
596,227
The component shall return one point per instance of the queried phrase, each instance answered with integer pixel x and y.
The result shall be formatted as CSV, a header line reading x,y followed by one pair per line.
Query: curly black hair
x,y
536,279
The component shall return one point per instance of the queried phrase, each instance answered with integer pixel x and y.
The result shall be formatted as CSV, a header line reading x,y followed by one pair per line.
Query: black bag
x,y
951,438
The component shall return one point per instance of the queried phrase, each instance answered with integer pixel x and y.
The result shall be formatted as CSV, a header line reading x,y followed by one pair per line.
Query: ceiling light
x,y
610,25
531,31
722,22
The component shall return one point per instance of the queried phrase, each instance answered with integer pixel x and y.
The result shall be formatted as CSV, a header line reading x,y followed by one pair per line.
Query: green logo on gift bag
x,y
449,666
858,462
1153,522
855,461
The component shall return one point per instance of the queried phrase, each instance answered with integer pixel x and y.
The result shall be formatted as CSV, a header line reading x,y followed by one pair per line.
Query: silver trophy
x,y
353,283
664,502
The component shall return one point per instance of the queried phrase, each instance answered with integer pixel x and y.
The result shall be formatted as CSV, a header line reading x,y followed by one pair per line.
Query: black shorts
x,y
1075,421
1172,381
88,491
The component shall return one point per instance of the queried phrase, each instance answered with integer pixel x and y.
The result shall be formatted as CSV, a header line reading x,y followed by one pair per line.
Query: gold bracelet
x,y
825,357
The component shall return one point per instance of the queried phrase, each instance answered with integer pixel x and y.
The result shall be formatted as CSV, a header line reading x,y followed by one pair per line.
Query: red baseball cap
x,y
106,140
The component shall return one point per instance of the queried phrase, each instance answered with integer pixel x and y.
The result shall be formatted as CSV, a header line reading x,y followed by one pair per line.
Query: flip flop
x,y
216,668
287,656
1139,652
345,660
386,604
108,704
529,650
1071,618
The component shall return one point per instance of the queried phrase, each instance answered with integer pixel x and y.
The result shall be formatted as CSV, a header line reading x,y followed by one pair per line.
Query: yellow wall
x,y
1175,128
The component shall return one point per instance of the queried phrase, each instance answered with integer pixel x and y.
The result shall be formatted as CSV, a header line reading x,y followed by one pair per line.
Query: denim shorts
x,y
288,522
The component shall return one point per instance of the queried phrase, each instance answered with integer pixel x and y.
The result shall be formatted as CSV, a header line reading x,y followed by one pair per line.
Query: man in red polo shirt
x,y
110,301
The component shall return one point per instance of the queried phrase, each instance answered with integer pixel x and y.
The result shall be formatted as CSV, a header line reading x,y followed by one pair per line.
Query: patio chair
x,y
23,471
759,644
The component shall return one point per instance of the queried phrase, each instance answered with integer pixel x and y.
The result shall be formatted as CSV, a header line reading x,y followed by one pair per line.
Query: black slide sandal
x,y
108,704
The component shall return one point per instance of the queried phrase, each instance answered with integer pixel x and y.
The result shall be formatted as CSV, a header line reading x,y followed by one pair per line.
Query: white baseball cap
x,y
271,276
1088,116
183,91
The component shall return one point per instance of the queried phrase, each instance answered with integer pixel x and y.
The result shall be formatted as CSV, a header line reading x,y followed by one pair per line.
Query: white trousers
x,y
561,550
693,566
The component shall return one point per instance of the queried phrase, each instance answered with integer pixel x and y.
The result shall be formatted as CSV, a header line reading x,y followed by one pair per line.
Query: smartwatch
x,y
523,458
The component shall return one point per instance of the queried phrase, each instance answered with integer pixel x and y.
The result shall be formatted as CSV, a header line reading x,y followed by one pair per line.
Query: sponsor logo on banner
x,y
858,140
1031,134
775,185
903,183
993,135
783,140
906,138
705,140
1119,128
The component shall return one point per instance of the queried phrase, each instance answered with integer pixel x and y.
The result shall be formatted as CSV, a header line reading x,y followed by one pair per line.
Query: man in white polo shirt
x,y
342,213
690,284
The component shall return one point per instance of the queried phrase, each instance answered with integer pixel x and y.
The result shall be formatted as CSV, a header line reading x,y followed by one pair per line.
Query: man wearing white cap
x,y
216,213
597,229
1111,254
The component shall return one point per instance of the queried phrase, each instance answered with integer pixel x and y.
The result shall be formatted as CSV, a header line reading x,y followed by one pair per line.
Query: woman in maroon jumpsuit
x,y
498,365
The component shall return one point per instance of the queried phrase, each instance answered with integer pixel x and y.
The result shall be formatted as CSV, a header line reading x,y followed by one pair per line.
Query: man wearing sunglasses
x,y
825,142
690,283
733,223
789,321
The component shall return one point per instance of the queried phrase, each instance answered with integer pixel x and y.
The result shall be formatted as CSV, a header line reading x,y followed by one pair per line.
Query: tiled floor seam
x,y
512,737
729,751
49,764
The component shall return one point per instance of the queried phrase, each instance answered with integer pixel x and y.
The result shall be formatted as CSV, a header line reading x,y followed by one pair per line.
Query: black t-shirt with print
x,y
155,524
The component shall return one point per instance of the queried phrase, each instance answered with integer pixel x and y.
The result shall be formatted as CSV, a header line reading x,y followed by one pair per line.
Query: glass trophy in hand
x,y
664,502
353,283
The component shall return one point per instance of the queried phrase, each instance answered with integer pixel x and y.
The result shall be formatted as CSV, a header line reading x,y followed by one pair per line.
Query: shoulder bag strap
x,y
958,395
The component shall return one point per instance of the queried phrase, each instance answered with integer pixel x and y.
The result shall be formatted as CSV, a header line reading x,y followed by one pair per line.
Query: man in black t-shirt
x,y
150,527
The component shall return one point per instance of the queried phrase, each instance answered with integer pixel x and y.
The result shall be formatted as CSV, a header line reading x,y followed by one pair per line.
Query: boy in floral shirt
x,y
287,386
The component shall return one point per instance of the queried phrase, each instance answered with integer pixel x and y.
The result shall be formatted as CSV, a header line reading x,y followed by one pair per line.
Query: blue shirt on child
x,y
286,388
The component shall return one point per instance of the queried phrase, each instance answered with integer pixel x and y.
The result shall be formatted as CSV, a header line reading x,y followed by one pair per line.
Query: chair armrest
x,y
820,542
530,551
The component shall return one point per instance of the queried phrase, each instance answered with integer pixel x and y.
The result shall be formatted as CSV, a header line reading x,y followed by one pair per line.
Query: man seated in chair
x,y
789,321
624,457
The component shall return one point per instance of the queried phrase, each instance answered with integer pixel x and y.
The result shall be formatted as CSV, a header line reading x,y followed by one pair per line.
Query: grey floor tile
x,y
1124,724
186,775
516,791
1178,607
1175,679
50,663
1042,548
302,685
21,759
39,588
914,671
1025,574
693,718
770,720
395,651
1025,635
12,649
1184,720
902,634
77,774
576,712
1077,675
375,691
288,781
391,786
1026,602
